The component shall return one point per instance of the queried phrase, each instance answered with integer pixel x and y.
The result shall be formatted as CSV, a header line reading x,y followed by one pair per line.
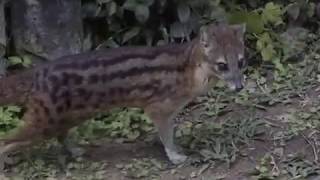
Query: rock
x,y
47,28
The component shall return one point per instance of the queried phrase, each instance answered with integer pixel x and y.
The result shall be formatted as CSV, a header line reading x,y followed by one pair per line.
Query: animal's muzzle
x,y
239,87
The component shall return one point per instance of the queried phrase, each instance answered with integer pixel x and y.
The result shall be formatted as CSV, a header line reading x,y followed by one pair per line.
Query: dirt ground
x,y
241,169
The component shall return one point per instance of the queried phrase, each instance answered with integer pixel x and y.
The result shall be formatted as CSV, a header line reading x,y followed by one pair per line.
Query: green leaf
x,y
218,13
112,8
142,13
26,61
272,13
311,9
253,20
130,34
133,135
254,23
130,5
279,66
267,52
14,60
110,43
237,17
13,108
183,12
265,45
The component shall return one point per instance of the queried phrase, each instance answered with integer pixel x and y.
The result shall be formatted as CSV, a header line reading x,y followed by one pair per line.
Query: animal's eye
x,y
222,66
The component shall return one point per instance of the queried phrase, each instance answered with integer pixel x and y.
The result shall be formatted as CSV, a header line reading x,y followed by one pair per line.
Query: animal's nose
x,y
239,88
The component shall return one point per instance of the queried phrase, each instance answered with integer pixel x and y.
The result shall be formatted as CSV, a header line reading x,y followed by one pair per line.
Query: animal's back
x,y
79,85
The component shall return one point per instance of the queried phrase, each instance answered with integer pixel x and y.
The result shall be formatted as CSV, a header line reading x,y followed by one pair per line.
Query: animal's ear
x,y
207,35
204,37
240,30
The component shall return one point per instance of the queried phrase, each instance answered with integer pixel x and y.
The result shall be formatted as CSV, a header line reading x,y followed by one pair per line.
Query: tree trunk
x,y
47,28
3,39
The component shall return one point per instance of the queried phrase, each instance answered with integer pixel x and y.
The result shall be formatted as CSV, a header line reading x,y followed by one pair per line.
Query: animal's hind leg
x,y
24,136
34,129
69,149
68,145
65,154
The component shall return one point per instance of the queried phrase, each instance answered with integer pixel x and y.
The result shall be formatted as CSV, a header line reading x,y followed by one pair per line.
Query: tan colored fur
x,y
161,80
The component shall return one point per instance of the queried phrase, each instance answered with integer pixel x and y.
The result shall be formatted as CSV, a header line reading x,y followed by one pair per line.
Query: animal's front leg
x,y
163,122
69,147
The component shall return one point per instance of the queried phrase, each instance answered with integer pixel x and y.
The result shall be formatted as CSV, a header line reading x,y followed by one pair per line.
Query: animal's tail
x,y
14,89
21,137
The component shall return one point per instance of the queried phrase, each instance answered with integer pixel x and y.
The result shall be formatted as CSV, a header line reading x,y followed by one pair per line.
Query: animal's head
x,y
223,47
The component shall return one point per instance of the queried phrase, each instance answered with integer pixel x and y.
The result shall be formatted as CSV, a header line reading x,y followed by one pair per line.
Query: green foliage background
x,y
154,22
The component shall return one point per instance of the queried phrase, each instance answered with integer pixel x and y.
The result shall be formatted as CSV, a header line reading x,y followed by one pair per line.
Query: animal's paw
x,y
5,160
2,163
76,151
175,157
72,150
7,157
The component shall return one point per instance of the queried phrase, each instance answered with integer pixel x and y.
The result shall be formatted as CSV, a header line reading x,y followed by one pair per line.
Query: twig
x,y
314,149
266,119
275,169
203,169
